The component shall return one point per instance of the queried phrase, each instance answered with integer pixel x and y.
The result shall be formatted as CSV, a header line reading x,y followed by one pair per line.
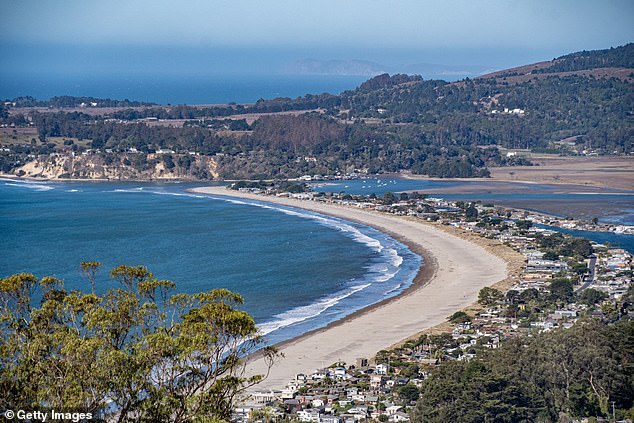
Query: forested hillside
x,y
582,371
388,124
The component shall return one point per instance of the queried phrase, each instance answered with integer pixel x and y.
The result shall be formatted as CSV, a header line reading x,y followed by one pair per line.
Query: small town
x,y
560,280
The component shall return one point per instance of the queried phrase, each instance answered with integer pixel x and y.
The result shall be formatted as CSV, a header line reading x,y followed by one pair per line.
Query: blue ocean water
x,y
613,206
217,89
296,270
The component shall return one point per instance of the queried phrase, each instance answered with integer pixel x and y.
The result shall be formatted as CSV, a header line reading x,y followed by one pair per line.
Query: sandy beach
x,y
453,272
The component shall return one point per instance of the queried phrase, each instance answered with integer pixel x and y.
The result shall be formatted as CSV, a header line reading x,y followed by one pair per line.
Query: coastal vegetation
x,y
135,353
575,104
555,376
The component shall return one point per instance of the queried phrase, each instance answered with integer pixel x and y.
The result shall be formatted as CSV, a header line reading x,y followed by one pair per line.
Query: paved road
x,y
589,279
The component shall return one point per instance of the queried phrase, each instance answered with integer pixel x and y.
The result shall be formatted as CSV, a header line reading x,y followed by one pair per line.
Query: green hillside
x,y
387,124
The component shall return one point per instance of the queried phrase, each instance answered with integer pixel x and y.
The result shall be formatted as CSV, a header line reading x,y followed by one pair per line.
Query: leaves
x,y
574,372
156,356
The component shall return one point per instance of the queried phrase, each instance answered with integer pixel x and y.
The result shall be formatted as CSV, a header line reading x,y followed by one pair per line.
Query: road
x,y
589,278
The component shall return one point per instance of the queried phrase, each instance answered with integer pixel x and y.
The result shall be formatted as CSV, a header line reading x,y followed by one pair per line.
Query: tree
x,y
577,372
389,198
471,213
581,246
459,317
551,255
512,296
561,290
409,392
136,353
90,269
523,224
489,296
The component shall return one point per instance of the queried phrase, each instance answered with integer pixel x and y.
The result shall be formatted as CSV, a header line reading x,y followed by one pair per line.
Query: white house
x,y
381,369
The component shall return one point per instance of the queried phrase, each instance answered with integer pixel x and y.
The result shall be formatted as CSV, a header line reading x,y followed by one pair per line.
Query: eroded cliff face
x,y
120,167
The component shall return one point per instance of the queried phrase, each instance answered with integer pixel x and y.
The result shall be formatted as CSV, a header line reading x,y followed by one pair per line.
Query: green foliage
x,y
561,290
523,224
471,213
459,317
389,198
156,356
577,372
293,188
489,296
408,392
557,244
613,57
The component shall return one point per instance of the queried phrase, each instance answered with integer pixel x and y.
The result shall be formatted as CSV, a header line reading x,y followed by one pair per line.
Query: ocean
x,y
296,270
218,89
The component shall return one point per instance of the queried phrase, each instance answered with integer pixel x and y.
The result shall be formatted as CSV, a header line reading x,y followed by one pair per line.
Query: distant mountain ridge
x,y
335,67
368,68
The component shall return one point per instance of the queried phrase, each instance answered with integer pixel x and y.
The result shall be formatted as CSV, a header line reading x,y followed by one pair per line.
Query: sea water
x,y
296,270
218,89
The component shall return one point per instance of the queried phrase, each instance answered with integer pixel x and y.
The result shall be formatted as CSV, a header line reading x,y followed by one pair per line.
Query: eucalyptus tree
x,y
138,352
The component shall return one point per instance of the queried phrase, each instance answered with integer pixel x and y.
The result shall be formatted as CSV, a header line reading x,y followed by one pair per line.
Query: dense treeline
x,y
283,104
620,57
279,144
555,108
71,101
555,376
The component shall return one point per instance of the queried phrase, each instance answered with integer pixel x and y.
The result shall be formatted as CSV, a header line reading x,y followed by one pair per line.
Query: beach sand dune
x,y
453,272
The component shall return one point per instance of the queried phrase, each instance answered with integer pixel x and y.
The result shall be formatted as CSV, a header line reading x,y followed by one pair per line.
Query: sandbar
x,y
453,272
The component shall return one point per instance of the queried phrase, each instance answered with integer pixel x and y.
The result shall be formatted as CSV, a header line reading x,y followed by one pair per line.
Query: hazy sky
x,y
568,24
127,35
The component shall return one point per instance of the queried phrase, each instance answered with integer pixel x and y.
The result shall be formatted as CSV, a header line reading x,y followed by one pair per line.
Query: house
x,y
340,372
319,374
361,362
317,402
392,409
398,417
564,314
536,266
376,381
360,410
329,419
289,392
263,397
381,369
311,415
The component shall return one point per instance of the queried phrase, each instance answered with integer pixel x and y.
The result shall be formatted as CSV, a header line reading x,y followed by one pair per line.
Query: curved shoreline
x,y
452,273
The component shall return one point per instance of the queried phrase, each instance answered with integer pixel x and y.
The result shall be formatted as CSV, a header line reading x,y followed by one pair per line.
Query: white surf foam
x,y
30,185
303,313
